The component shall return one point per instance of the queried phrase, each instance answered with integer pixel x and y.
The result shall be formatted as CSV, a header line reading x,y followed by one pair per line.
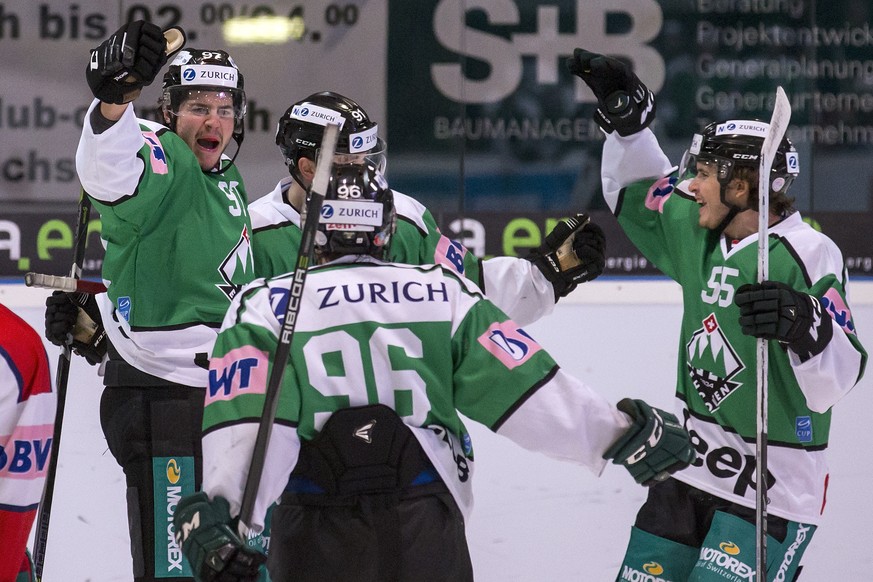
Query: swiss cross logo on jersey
x,y
711,363
509,343
238,262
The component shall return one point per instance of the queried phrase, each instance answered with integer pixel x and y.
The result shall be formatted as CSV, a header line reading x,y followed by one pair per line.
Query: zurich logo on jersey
x,y
327,211
279,302
357,143
304,112
189,74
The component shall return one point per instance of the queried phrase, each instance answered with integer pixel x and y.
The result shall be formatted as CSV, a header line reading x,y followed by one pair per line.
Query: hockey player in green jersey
x,y
522,291
368,453
699,226
176,232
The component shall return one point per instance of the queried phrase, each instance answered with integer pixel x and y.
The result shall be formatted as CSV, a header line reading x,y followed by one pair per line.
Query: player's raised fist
x,y
625,104
126,62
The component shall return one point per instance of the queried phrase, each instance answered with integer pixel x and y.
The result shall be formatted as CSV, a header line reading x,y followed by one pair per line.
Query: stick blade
x,y
778,126
325,161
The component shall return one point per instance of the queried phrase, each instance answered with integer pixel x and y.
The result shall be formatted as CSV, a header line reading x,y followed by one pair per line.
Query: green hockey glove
x,y
571,254
625,104
214,550
654,447
774,311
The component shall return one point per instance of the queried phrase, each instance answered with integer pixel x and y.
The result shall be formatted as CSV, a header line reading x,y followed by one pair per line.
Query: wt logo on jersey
x,y
240,371
509,343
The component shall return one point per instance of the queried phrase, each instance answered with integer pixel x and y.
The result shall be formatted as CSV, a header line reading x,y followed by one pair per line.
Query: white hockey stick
x,y
778,125
305,255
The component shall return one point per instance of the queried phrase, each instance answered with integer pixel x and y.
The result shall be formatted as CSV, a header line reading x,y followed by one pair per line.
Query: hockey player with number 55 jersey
x,y
368,453
699,226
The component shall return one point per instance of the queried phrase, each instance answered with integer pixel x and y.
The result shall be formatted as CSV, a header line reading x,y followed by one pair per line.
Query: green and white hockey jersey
x,y
177,244
514,285
716,388
419,339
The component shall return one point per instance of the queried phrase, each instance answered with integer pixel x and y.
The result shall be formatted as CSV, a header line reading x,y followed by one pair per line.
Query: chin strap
x,y
238,141
733,211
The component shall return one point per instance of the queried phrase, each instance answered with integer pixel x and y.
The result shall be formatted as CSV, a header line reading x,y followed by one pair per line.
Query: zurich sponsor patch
x,y
351,212
363,141
743,127
279,302
803,429
509,343
318,115
211,75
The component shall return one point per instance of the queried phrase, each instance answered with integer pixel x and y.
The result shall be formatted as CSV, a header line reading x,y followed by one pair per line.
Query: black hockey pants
x,y
154,434
364,504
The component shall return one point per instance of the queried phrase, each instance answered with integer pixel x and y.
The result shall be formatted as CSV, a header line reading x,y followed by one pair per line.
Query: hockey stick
x,y
778,125
305,256
61,283
40,538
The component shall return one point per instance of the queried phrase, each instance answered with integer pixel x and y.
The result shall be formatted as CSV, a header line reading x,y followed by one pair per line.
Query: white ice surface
x,y
535,519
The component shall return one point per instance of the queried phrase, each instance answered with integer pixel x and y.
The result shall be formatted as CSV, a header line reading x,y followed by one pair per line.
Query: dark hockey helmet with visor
x,y
737,143
207,71
301,128
357,216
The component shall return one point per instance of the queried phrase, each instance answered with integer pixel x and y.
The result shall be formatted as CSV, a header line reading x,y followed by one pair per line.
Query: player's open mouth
x,y
207,143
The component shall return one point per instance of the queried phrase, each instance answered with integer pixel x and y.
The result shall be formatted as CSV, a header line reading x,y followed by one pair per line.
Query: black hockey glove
x,y
625,104
774,311
572,253
126,62
655,447
205,533
73,319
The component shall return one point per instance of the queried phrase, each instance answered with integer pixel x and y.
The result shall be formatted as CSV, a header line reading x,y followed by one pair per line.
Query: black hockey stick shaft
x,y
305,256
40,542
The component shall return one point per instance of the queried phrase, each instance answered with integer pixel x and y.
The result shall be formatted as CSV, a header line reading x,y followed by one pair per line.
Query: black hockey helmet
x,y
203,70
301,128
737,143
357,217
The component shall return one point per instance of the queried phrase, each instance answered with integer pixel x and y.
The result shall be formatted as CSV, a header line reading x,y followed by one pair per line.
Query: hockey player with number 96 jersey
x,y
368,454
